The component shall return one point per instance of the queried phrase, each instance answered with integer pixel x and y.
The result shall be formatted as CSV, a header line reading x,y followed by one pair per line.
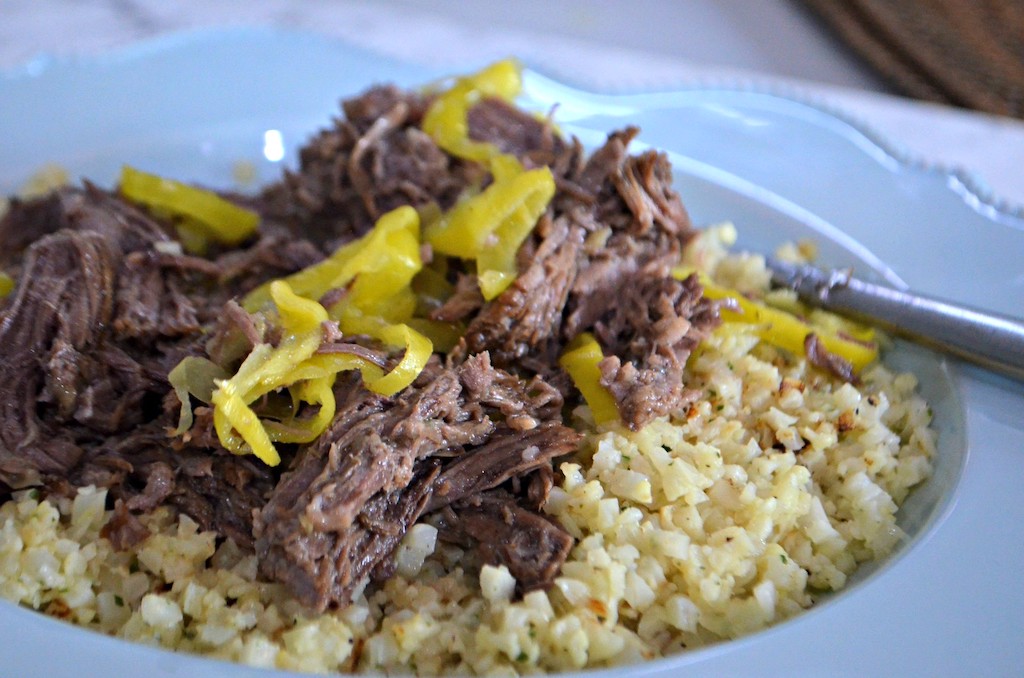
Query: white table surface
x,y
606,44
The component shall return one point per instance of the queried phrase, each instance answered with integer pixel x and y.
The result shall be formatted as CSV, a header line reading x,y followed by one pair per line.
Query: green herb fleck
x,y
522,657
783,558
118,600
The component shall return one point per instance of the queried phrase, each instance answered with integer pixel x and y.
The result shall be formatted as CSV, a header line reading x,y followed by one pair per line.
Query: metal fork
x,y
992,341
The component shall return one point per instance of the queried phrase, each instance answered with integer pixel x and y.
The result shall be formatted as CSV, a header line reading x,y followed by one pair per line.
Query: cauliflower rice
x,y
766,495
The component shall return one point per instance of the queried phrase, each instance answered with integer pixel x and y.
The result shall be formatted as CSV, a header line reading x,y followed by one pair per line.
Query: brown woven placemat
x,y
967,53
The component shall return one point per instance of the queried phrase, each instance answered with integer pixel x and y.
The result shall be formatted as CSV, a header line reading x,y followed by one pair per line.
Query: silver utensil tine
x,y
992,341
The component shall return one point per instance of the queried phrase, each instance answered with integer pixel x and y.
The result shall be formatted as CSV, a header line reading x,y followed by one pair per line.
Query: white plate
x,y
948,602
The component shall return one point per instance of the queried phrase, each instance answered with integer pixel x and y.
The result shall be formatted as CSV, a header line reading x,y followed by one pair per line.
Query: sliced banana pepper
x,y
580,360
202,215
491,226
782,329
295,365
446,119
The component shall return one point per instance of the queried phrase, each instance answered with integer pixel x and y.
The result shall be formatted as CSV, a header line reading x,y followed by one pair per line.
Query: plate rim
x,y
957,176
40,66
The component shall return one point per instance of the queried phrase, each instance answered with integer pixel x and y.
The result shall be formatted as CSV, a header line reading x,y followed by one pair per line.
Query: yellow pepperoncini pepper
x,y
266,369
378,270
382,265
432,290
309,377
446,119
444,336
418,350
580,360
496,262
431,284
202,215
6,284
193,376
490,227
782,329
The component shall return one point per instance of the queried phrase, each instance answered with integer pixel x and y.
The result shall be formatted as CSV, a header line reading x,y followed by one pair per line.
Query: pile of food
x,y
454,396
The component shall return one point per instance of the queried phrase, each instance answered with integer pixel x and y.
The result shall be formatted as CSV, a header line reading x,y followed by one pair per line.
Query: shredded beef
x,y
124,530
508,455
531,546
84,334
371,161
823,359
527,316
324,567
25,222
224,495
514,131
98,319
275,254
65,295
601,261
650,334
151,304
376,446
466,300
158,487
107,304
535,488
